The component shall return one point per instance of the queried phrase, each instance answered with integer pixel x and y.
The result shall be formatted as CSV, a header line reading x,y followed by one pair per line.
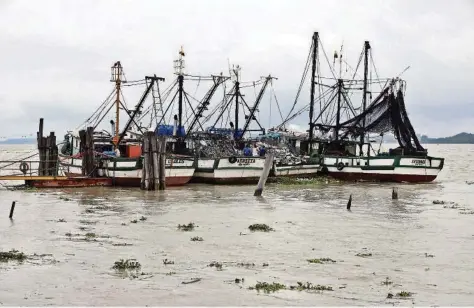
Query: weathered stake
x,y
162,167
263,177
349,203
394,193
12,209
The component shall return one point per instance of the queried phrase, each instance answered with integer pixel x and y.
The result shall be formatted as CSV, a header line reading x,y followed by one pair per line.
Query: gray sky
x,y
56,55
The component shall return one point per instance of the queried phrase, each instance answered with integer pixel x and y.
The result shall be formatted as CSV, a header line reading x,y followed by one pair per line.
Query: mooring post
x,y
155,148
12,209
147,160
39,141
162,168
263,177
394,193
349,203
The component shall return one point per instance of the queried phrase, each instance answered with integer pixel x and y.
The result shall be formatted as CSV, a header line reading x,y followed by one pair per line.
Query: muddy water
x,y
310,221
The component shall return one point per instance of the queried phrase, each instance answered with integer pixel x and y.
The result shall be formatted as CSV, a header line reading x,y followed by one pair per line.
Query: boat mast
x,y
338,115
179,67
364,96
237,95
117,72
311,104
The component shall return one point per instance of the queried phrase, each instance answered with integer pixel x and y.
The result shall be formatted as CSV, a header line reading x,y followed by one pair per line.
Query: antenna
x,y
179,63
406,69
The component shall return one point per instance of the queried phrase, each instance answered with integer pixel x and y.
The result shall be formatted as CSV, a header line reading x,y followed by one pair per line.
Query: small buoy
x,y
394,193
349,203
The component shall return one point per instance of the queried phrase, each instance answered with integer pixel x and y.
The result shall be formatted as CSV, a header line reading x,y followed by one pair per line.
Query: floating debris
x,y
364,255
438,202
260,227
12,255
321,260
404,294
143,218
246,264
87,222
265,264
189,227
134,221
170,273
197,239
62,220
64,198
310,287
239,280
216,264
167,262
90,235
267,287
428,255
467,212
387,282
193,280
129,264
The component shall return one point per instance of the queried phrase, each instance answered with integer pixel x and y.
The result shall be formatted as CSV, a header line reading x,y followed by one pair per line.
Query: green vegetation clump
x,y
310,287
321,260
404,294
267,287
189,227
12,255
260,227
129,264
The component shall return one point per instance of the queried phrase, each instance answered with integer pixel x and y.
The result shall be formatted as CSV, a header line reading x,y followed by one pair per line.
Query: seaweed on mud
x,y
122,244
321,260
310,287
87,222
216,264
167,262
268,287
143,218
170,273
62,220
260,227
438,202
304,181
197,239
189,227
90,235
467,212
64,198
12,255
129,264
134,221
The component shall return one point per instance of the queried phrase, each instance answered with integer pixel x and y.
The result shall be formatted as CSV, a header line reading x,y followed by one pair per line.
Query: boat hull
x,y
383,168
128,172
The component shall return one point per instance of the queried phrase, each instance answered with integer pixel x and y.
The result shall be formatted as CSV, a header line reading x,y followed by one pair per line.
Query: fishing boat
x,y
346,152
119,153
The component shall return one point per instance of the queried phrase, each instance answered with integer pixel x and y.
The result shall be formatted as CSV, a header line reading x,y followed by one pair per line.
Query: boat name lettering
x,y
174,161
245,161
418,162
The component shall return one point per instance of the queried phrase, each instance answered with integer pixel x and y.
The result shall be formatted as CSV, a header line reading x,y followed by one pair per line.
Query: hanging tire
x,y
340,166
232,159
24,167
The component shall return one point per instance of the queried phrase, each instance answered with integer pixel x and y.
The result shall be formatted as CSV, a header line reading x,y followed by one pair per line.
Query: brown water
x,y
310,221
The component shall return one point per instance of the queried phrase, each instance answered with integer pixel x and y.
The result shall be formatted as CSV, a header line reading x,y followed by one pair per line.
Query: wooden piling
x,y
155,153
162,167
394,193
147,161
263,177
12,209
53,155
41,148
349,203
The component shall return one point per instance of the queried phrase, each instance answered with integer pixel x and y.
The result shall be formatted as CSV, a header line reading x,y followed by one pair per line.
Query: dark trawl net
x,y
387,113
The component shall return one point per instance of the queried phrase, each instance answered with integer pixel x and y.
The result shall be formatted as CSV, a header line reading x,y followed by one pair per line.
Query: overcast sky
x,y
55,56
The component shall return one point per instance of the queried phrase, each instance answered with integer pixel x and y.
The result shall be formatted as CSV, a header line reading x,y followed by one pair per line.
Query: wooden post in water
x,y
53,155
12,209
162,167
142,181
394,193
83,147
266,171
41,150
147,163
155,152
